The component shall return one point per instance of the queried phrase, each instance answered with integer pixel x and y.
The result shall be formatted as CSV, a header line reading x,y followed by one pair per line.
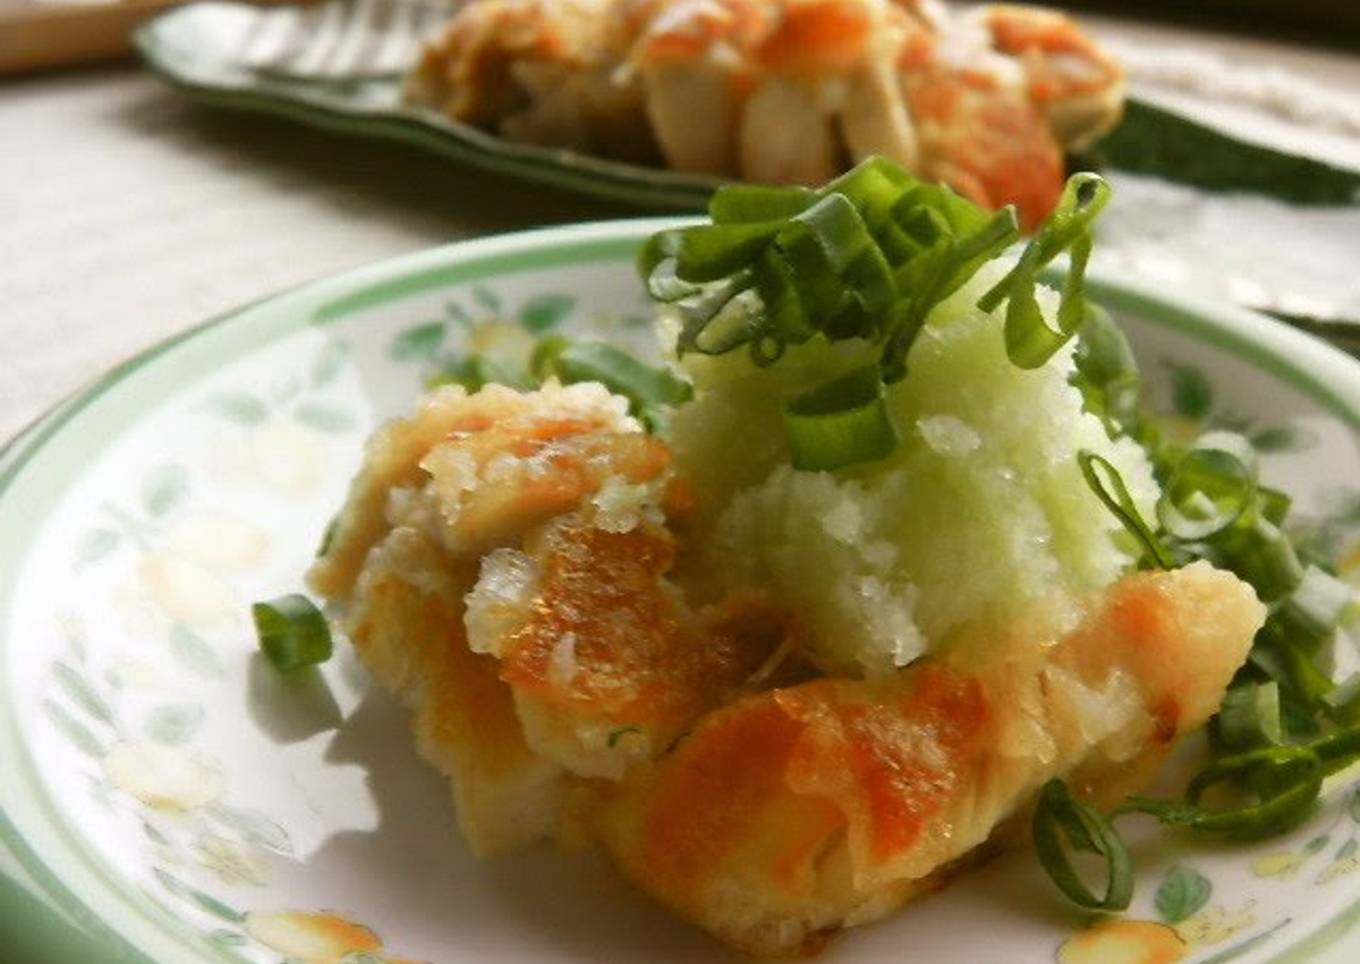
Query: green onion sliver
x,y
1263,555
1058,817
867,255
1320,602
1029,339
292,632
840,423
1282,657
645,387
1338,750
744,203
1285,779
1288,780
1107,372
328,537
1250,716
1343,702
1210,488
476,371
1112,491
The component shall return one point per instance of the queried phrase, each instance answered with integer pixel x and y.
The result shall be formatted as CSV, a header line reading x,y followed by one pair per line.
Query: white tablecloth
x,y
126,214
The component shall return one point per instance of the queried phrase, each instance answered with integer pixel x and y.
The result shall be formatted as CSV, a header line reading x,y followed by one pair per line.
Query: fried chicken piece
x,y
786,91
981,135
538,71
607,664
793,813
406,624
477,471
1078,85
689,58
503,558
987,105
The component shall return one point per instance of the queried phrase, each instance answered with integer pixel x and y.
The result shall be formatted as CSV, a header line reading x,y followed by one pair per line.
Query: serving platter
x,y
1199,206
166,796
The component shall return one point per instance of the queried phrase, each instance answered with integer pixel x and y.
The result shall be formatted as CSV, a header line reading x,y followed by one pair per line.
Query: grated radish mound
x,y
980,522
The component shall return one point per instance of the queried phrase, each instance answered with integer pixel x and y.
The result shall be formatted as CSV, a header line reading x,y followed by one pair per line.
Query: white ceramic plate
x,y
163,794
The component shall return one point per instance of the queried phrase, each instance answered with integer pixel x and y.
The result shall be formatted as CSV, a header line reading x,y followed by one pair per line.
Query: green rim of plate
x,y
95,906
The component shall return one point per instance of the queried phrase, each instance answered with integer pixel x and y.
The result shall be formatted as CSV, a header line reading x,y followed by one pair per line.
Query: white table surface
x,y
127,214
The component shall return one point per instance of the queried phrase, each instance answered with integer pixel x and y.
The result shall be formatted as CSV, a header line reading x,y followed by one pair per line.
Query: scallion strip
x,y
1342,703
1210,488
292,632
1320,602
1082,200
646,388
1059,818
1107,372
1249,716
868,255
1030,341
1112,491
475,371
840,423
1259,552
744,203
1338,750
1272,504
1285,779
1290,664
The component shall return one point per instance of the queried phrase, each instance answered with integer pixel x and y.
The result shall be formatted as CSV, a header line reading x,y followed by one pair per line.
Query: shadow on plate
x,y
413,879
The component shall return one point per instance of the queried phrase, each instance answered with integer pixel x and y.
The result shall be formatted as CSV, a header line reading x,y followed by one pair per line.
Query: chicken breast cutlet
x,y
788,815
503,560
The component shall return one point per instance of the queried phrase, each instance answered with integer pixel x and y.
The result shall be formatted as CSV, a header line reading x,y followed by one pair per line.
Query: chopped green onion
x,y
1029,340
1259,552
292,632
656,261
1107,372
1112,491
1210,488
1320,602
1250,716
949,258
866,256
1272,504
476,371
1286,780
1338,750
620,733
648,390
1289,778
543,360
840,423
1282,660
741,203
712,252
1058,817
1082,200
1342,703
328,536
